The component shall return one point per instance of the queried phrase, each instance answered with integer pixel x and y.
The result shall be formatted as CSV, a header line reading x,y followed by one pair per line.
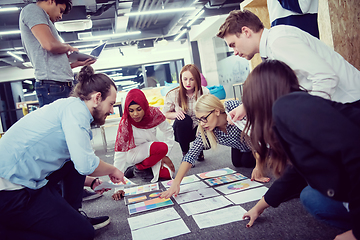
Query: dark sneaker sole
x,y
101,225
129,172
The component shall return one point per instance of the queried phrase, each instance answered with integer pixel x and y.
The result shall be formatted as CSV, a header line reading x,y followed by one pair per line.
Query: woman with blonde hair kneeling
x,y
213,129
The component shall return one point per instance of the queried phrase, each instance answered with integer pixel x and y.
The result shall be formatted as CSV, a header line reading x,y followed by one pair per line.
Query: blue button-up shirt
x,y
42,141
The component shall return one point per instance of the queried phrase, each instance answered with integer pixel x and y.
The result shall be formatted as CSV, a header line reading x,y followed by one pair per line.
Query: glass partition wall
x,y
13,94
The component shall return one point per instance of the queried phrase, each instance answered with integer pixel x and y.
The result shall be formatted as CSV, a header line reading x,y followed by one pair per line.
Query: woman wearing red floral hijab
x,y
136,143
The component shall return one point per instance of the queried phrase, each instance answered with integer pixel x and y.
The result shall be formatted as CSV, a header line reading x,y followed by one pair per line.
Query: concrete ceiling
x,y
107,17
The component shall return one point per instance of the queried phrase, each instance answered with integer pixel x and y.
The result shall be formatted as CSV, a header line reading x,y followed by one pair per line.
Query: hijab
x,y
152,117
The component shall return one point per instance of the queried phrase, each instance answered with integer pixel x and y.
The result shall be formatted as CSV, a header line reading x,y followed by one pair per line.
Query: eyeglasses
x,y
204,119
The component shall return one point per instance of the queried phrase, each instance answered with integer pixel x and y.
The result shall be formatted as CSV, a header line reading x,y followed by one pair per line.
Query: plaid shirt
x,y
172,103
230,139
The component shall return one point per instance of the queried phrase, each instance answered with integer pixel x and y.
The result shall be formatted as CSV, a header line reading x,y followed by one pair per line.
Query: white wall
x,y
111,58
208,61
216,67
204,34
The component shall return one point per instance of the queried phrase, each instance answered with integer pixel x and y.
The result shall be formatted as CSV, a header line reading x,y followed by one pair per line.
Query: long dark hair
x,y
264,85
90,82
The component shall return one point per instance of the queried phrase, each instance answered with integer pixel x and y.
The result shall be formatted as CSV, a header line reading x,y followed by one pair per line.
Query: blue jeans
x,y
43,213
50,92
325,209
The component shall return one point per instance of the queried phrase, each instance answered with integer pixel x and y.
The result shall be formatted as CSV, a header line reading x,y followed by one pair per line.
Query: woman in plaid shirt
x,y
214,129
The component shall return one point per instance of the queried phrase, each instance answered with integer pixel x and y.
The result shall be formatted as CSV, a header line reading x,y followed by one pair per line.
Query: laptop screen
x,y
96,51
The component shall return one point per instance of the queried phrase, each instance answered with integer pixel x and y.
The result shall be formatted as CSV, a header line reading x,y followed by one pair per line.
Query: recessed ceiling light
x,y
114,35
180,34
9,9
10,32
163,11
195,18
74,25
15,56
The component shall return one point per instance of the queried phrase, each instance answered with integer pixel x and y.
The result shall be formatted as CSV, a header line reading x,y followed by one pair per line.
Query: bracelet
x,y
93,182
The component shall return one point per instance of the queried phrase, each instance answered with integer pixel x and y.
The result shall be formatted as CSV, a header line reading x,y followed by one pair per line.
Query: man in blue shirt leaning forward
x,y
51,145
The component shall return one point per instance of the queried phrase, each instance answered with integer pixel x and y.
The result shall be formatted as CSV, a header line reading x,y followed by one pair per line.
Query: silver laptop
x,y
95,53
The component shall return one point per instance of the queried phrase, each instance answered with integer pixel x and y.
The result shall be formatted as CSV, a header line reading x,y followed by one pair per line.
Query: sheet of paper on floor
x,y
149,205
161,231
219,217
196,195
238,186
205,205
118,186
185,180
130,199
215,173
247,196
141,189
224,179
192,187
153,218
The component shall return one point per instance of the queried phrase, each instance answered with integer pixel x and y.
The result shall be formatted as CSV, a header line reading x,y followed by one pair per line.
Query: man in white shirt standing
x,y
318,68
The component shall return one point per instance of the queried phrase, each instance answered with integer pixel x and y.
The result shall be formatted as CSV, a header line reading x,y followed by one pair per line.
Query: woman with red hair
x,y
179,106
136,143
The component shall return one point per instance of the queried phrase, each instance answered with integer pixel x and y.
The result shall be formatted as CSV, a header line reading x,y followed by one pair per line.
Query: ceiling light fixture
x,y
195,18
163,42
115,35
74,25
86,46
15,56
160,11
9,9
28,82
10,32
180,34
118,78
109,70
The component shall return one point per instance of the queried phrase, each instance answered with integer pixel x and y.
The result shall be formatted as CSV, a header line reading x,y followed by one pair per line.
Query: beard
x,y
99,118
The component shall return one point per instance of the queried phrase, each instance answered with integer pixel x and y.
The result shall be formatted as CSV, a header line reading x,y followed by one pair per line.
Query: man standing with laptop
x,y
47,53
49,56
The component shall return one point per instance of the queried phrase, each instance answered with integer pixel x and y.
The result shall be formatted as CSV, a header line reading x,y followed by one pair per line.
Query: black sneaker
x,y
89,195
129,172
201,157
97,222
145,174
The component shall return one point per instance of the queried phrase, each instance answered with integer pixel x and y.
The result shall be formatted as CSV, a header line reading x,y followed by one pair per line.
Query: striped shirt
x,y
231,139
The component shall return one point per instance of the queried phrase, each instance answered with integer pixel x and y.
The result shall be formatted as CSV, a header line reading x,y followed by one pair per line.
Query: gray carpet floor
x,y
288,221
